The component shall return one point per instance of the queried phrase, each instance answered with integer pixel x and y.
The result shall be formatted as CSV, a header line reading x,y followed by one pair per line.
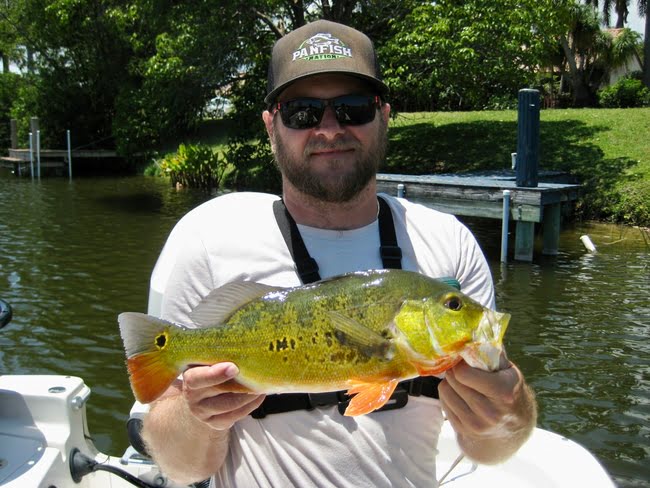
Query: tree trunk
x,y
5,62
646,50
581,93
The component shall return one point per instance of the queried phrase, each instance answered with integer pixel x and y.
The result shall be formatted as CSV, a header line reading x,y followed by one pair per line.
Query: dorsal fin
x,y
220,303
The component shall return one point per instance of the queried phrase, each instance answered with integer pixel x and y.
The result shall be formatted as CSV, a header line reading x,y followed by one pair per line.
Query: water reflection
x,y
579,331
75,254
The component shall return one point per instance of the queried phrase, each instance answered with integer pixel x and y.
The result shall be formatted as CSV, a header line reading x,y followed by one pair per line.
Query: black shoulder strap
x,y
307,267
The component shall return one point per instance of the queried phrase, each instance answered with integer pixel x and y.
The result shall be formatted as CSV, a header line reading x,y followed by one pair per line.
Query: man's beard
x,y
352,178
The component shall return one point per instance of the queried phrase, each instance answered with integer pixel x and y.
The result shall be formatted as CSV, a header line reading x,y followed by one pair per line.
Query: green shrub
x,y
625,93
634,204
194,166
9,86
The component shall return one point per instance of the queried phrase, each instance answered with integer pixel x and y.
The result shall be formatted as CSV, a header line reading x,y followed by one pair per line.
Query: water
x,y
75,254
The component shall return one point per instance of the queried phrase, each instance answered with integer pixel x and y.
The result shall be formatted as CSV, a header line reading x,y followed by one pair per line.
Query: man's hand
x,y
187,429
493,413
211,405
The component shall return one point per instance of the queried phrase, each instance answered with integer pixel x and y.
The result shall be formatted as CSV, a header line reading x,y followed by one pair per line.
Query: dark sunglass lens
x,y
302,113
355,109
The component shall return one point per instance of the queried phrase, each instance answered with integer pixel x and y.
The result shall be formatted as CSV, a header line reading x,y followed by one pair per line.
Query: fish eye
x,y
454,303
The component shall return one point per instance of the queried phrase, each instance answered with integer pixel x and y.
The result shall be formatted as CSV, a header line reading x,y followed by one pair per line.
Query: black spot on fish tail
x,y
292,343
161,340
281,345
328,339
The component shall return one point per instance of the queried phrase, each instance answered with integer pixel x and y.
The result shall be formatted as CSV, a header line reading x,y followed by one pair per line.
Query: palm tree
x,y
621,8
643,12
591,53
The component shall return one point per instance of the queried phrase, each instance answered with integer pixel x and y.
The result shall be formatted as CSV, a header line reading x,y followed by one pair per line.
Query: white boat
x,y
45,443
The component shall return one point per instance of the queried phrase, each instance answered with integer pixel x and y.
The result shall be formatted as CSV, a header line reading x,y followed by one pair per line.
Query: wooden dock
x,y
481,195
52,160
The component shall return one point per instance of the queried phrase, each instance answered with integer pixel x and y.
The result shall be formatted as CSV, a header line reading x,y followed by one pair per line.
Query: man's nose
x,y
329,126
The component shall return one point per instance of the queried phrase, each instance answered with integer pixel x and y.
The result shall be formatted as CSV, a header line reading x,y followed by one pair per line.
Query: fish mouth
x,y
486,349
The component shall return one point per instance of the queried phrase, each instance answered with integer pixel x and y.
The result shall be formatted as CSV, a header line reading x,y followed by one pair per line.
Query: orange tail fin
x,y
369,396
146,340
150,376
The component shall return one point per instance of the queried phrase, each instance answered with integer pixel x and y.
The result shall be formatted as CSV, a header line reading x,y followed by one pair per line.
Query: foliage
x,y
625,93
194,166
182,59
591,53
633,205
78,62
9,86
451,55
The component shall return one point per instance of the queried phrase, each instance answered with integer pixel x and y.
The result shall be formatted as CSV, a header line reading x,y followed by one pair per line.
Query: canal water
x,y
75,254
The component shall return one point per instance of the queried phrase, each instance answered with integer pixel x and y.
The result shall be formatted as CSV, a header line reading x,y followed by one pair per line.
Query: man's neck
x,y
307,210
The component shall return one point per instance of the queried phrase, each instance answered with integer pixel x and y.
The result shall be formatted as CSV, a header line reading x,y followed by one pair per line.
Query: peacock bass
x,y
362,332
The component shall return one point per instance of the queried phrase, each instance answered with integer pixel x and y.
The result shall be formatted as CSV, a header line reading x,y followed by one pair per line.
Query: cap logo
x,y
320,47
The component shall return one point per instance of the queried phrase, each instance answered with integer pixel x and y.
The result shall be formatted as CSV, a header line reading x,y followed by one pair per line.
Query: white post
x,y
69,156
401,190
504,226
38,154
31,154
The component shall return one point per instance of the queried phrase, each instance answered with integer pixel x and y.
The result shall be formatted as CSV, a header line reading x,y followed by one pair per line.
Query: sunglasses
x,y
307,113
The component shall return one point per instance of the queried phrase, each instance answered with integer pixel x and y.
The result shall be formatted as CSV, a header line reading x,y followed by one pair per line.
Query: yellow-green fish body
x,y
362,332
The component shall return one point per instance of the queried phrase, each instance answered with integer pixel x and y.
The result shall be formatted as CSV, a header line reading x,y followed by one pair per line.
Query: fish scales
x,y
288,338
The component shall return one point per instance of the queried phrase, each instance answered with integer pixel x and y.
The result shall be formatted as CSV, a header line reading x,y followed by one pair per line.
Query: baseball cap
x,y
322,47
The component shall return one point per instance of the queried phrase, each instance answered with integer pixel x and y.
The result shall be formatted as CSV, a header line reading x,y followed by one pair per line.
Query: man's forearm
x,y
186,449
504,441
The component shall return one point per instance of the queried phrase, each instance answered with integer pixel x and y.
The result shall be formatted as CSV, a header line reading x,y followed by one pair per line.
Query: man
x,y
327,123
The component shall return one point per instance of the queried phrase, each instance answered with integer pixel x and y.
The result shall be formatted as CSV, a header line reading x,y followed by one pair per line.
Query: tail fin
x,y
146,340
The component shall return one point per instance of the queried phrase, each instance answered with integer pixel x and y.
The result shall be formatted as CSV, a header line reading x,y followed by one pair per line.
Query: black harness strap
x,y
307,269
306,266
391,254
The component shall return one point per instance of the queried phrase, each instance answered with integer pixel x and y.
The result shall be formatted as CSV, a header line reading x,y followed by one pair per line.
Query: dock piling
x,y
528,138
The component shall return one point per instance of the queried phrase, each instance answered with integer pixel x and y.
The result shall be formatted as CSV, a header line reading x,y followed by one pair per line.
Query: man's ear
x,y
267,117
385,111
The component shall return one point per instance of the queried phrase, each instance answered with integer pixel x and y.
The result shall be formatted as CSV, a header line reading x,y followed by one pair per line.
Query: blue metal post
x,y
69,156
31,154
504,226
528,138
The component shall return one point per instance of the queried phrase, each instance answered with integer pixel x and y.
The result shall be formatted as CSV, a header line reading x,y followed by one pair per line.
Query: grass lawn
x,y
607,149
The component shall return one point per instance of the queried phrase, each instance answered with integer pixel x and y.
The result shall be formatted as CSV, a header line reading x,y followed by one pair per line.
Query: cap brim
x,y
381,87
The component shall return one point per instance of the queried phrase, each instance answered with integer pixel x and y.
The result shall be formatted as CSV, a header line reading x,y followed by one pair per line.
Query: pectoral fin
x,y
368,396
438,367
351,333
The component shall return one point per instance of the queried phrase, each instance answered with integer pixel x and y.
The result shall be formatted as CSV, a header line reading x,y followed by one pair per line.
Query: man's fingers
x,y
492,384
208,376
472,409
226,419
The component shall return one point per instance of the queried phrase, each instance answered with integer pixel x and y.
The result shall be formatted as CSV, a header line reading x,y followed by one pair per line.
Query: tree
x,y
621,8
591,53
643,12
451,55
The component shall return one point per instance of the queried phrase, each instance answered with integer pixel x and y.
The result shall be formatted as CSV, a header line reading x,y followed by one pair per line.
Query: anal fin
x,y
369,396
233,386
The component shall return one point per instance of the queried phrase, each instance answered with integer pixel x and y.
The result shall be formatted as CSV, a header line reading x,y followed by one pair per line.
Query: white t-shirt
x,y
235,237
